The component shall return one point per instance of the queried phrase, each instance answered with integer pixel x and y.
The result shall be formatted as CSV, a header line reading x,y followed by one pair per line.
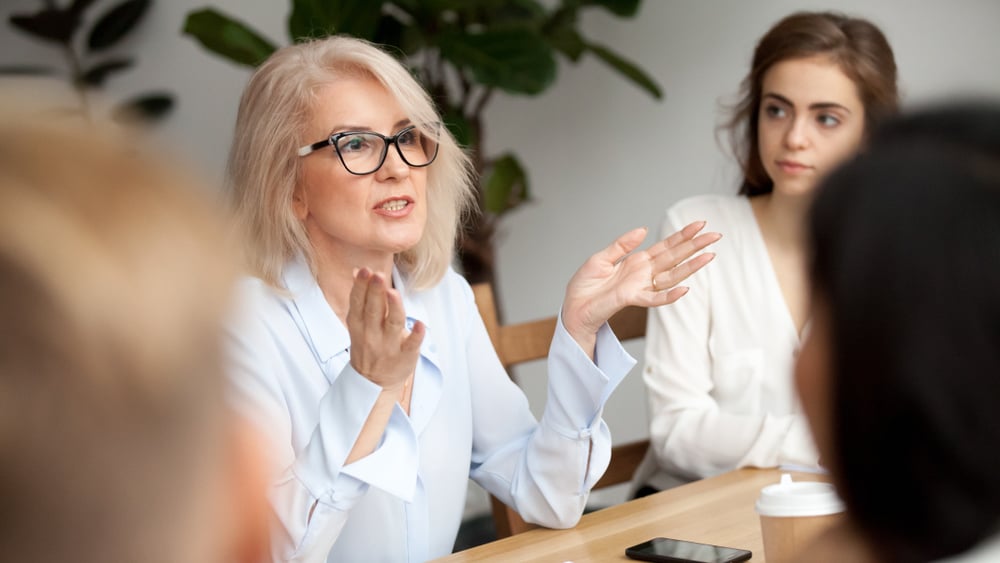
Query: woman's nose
x,y
394,166
796,137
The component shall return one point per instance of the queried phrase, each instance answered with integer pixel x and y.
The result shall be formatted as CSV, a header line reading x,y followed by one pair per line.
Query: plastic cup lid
x,y
798,498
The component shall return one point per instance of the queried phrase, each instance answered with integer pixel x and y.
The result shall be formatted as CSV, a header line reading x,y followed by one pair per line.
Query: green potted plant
x,y
463,51
90,64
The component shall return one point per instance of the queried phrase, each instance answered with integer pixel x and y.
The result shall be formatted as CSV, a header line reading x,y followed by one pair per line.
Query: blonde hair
x,y
264,167
114,279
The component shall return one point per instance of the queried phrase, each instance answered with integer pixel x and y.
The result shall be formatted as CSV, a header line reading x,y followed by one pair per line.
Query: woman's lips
x,y
394,207
792,167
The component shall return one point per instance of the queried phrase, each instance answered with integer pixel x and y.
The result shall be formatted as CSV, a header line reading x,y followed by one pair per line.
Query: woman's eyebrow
x,y
817,105
348,127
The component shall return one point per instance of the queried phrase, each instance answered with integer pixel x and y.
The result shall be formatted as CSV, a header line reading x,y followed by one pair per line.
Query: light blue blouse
x,y
291,374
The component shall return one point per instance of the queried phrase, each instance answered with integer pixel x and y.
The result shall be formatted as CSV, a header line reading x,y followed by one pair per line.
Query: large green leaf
x,y
148,107
568,42
623,8
507,185
227,37
319,18
26,70
627,69
504,12
434,6
392,32
50,24
515,60
458,125
560,32
116,23
80,6
96,75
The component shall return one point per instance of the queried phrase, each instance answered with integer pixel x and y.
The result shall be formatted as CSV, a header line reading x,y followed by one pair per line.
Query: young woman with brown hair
x,y
720,386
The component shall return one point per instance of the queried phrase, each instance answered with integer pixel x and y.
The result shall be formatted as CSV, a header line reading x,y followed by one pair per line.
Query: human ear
x,y
300,207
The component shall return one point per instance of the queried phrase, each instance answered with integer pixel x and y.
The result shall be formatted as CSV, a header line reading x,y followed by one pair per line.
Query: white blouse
x,y
719,362
986,551
404,502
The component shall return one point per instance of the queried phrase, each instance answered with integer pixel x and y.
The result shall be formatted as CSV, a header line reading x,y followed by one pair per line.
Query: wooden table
x,y
718,510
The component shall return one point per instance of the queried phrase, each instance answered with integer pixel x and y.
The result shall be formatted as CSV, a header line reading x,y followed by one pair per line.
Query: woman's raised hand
x,y
382,349
617,277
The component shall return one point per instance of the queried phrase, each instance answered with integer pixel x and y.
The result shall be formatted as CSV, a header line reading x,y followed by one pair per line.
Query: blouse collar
x,y
326,333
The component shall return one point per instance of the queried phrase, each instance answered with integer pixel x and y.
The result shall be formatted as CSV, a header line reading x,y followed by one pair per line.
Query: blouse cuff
x,y
343,412
579,387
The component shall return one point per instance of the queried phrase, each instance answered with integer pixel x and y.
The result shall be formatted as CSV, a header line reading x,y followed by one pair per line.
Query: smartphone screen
x,y
667,550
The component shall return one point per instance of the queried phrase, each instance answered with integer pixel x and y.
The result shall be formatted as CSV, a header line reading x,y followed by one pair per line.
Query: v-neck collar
x,y
326,333
327,336
755,235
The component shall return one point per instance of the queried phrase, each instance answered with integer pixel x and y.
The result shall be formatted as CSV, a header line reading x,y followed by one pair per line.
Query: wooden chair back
x,y
528,341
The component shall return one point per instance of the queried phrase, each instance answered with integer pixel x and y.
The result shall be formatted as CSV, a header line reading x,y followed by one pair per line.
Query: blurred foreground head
x,y
901,373
114,279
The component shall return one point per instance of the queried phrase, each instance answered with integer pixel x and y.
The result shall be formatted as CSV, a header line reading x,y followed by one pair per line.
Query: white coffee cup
x,y
793,514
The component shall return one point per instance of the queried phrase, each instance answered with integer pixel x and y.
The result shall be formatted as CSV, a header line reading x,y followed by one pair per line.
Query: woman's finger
x,y
411,344
395,320
622,246
674,294
671,258
668,279
679,237
375,302
359,294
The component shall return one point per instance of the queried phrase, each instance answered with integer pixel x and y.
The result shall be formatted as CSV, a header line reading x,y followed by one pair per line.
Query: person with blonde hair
x,y
362,352
115,279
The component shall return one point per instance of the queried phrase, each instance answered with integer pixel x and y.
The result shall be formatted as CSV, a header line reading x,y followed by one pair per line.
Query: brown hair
x,y
856,45
114,280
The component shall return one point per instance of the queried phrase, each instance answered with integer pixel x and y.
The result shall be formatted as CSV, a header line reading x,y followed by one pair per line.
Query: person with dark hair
x,y
899,374
720,385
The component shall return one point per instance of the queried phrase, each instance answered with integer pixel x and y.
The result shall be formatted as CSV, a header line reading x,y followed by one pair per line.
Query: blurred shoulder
x,y
251,290
258,303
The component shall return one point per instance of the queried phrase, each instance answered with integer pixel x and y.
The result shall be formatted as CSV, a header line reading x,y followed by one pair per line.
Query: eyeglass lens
x,y
363,153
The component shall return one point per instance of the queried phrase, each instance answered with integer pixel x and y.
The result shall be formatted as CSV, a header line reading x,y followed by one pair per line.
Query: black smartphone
x,y
666,550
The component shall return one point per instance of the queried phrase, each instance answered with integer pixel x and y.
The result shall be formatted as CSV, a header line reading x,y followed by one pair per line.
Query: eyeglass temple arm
x,y
309,149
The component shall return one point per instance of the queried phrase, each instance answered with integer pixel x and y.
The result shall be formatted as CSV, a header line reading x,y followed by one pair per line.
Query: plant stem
x,y
481,104
463,103
77,77
426,69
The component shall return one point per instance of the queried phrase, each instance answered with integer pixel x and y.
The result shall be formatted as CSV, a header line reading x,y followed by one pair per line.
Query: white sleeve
x,y
690,433
544,470
312,491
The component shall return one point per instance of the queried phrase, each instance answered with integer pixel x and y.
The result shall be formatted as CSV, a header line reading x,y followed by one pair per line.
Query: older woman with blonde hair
x,y
362,352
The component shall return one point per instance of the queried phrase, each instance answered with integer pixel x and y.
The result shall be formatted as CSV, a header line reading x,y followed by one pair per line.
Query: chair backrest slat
x,y
528,341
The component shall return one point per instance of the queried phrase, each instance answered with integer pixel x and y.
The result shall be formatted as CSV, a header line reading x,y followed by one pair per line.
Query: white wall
x,y
603,156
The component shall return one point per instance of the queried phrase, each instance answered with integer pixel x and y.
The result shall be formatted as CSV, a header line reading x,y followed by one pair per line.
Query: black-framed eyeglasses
x,y
364,152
